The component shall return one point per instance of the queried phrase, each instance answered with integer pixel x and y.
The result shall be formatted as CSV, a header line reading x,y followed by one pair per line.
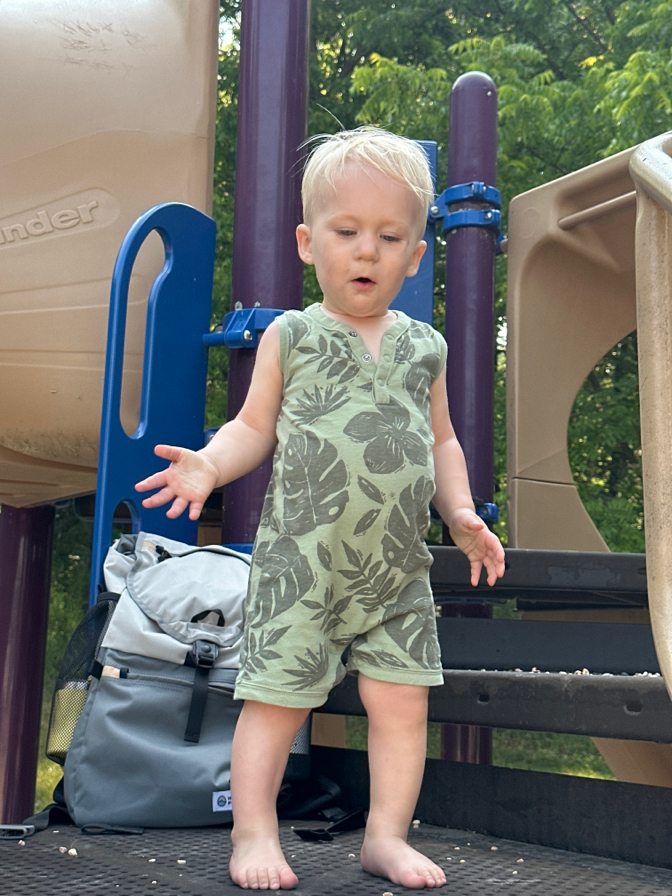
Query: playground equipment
x,y
109,109
549,238
112,111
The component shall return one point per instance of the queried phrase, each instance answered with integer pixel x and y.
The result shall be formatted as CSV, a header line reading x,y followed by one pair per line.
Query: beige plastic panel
x,y
571,296
107,109
652,169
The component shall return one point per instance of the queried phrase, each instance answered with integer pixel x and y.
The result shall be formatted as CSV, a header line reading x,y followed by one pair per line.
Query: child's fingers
x,y
156,480
168,452
495,567
176,508
166,494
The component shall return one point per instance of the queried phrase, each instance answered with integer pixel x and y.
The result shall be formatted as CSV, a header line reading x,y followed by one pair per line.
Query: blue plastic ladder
x,y
172,406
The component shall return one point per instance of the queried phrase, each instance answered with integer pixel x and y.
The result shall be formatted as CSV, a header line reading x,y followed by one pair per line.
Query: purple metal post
x,y
470,331
272,116
26,537
470,267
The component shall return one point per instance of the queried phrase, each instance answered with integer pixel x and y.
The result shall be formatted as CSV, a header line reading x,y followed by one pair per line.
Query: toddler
x,y
351,397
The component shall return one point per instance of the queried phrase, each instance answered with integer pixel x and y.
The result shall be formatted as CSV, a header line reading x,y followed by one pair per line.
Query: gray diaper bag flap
x,y
152,745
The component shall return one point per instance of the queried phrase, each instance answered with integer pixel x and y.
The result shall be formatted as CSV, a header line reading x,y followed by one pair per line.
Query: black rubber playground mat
x,y
193,862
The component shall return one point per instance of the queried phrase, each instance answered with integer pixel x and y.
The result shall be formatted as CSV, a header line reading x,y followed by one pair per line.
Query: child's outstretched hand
x,y
187,482
481,546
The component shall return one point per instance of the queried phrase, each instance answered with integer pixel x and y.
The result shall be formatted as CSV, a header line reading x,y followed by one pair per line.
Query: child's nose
x,y
367,246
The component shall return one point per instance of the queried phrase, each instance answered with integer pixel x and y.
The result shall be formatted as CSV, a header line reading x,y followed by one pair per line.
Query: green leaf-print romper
x,y
340,565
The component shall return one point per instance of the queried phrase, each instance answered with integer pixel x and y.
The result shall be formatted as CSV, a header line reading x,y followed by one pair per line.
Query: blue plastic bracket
x,y
242,328
475,191
487,512
473,217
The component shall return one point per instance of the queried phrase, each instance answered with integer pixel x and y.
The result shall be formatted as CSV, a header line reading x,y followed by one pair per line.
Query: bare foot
x,y
259,864
393,858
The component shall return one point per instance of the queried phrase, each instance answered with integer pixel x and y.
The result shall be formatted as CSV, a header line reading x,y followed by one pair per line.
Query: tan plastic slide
x,y
651,167
571,297
107,109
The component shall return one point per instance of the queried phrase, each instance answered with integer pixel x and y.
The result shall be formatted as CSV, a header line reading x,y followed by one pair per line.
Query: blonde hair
x,y
398,157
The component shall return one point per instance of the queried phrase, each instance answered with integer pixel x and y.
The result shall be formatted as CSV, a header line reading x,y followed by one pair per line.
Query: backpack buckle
x,y
203,654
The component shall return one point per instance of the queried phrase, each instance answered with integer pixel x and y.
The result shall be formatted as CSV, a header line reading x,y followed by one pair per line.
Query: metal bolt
x,y
247,336
434,210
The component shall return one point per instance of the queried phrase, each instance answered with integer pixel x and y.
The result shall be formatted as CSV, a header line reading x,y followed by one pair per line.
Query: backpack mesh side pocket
x,y
74,676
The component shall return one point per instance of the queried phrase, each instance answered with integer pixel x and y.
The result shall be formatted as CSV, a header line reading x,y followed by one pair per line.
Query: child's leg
x,y
261,744
397,748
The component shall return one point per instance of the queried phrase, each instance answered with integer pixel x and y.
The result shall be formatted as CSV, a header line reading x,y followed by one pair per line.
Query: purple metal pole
x,y
272,116
26,538
470,332
470,267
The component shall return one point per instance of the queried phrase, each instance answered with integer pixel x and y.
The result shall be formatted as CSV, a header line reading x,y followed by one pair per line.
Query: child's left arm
x,y
453,496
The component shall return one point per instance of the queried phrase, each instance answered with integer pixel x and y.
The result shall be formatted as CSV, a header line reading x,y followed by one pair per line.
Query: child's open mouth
x,y
363,280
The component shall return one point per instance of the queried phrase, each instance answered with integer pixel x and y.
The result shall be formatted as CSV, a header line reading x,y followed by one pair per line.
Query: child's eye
x,y
389,238
345,232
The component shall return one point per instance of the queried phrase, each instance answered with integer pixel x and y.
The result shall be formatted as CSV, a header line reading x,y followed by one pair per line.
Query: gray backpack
x,y
152,745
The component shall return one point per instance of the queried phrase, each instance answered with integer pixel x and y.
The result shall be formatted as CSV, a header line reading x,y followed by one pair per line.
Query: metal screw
x,y
434,210
247,336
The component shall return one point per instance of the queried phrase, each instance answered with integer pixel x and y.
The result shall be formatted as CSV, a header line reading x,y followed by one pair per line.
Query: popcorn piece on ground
x,y
72,852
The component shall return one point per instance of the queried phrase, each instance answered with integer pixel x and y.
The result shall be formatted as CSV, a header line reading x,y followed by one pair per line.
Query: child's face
x,y
364,239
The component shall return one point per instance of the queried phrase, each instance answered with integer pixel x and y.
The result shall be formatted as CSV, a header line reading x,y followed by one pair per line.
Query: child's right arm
x,y
237,448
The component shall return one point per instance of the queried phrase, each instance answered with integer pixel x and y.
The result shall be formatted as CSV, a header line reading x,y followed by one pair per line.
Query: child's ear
x,y
304,243
417,255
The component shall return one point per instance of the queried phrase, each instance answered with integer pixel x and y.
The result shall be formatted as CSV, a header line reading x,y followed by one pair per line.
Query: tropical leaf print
x,y
410,624
324,555
371,587
366,521
314,668
418,380
370,490
407,525
285,577
333,358
314,480
379,658
296,330
390,443
312,407
266,517
258,652
405,350
329,613
343,642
